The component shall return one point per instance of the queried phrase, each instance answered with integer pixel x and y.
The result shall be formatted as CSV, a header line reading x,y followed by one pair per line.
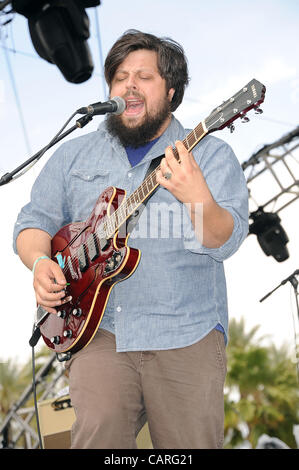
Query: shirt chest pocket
x,y
85,186
90,178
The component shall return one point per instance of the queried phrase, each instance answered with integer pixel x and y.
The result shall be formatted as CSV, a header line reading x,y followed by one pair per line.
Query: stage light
x,y
59,31
270,234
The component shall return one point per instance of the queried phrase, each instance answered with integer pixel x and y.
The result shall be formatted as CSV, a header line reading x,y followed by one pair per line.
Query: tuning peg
x,y
231,128
258,110
245,118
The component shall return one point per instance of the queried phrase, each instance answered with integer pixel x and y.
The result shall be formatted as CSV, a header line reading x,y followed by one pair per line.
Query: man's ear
x,y
170,94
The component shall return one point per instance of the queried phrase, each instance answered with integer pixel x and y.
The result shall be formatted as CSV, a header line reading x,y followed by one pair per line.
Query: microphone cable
x,y
35,398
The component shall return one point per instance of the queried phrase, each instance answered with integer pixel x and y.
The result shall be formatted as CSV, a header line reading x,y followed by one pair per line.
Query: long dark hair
x,y
172,63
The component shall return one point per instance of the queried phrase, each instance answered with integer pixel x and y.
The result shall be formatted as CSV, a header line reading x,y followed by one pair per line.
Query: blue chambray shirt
x,y
177,294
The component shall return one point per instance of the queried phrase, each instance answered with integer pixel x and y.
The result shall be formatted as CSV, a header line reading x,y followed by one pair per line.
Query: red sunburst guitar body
x,y
92,265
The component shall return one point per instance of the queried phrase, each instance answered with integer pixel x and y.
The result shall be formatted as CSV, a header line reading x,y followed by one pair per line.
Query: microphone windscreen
x,y
121,104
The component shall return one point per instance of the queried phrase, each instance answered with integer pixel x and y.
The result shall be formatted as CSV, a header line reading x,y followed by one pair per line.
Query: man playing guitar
x,y
158,353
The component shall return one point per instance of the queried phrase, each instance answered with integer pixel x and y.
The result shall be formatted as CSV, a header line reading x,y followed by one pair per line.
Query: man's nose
x,y
131,82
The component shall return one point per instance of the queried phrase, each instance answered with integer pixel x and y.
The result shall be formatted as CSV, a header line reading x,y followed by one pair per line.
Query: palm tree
x,y
262,395
11,387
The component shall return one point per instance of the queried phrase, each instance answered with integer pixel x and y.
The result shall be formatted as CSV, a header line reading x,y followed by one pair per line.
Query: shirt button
x,y
129,175
118,309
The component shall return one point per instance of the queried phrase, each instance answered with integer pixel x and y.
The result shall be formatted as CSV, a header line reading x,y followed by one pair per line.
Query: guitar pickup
x,y
93,243
82,258
104,243
93,248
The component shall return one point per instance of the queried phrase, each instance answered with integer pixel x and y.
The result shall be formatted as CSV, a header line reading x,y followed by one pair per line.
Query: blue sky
x,y
227,44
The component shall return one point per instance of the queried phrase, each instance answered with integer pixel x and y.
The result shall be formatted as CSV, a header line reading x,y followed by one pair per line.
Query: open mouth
x,y
134,106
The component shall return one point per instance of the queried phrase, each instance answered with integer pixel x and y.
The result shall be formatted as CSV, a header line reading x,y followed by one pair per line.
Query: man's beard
x,y
143,133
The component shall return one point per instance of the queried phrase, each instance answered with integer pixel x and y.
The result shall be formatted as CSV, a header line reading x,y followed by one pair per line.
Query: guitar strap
x,y
133,219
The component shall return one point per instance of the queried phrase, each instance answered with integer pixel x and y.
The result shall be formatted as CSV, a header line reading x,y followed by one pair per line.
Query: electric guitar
x,y
94,255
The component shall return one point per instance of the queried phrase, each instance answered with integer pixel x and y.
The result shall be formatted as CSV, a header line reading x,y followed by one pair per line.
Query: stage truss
x,y
273,174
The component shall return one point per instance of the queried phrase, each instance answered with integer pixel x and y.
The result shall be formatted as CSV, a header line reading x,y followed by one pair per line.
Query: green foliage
x,y
262,394
14,380
10,385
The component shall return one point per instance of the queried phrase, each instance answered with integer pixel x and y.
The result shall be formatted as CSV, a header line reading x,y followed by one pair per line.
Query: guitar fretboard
x,y
130,204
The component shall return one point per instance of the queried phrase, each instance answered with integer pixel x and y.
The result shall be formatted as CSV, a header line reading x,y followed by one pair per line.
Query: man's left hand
x,y
183,179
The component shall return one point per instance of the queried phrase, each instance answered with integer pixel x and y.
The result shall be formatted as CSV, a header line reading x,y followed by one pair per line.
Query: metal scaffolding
x,y
279,164
21,418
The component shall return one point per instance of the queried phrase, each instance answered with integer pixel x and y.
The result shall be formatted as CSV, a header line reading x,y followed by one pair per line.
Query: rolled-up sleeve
x,y
226,181
47,209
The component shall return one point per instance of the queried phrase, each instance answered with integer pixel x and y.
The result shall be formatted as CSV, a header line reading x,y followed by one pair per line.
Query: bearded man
x,y
159,353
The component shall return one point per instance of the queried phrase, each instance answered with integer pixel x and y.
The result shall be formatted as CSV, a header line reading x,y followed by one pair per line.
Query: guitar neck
x,y
148,186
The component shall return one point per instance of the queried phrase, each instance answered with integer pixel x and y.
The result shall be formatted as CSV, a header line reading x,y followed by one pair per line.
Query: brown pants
x,y
178,391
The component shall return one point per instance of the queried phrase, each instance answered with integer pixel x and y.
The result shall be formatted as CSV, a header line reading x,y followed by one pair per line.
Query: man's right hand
x,y
49,284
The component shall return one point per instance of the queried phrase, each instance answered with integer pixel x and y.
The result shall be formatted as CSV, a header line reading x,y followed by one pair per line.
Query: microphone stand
x,y
80,123
7,177
293,280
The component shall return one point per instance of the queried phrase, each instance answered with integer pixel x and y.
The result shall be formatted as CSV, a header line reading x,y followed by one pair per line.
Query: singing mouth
x,y
134,106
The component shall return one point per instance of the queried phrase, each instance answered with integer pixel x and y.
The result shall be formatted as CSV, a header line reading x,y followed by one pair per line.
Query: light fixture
x,y
270,234
59,32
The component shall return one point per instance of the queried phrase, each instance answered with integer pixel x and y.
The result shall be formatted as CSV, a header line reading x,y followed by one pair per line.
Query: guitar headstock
x,y
250,96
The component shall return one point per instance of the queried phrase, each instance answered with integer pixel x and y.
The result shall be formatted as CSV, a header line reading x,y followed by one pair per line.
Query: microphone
x,y
116,105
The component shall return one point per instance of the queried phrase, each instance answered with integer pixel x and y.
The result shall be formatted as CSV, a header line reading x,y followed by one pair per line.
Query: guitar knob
x,y
61,314
55,340
67,333
77,312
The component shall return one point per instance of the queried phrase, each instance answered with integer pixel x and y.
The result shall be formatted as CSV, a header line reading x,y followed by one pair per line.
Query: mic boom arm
x,y
80,123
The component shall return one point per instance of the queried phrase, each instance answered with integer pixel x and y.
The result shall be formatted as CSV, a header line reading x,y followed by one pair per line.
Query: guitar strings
x,y
101,231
